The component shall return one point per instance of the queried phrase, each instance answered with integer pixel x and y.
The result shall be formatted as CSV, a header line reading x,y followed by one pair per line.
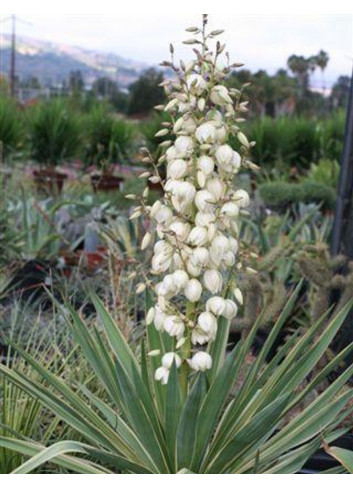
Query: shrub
x,y
325,172
282,194
318,193
11,128
296,141
107,139
54,133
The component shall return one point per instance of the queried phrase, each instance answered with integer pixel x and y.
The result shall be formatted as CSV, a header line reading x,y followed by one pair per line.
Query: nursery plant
x,y
184,404
11,128
108,140
54,133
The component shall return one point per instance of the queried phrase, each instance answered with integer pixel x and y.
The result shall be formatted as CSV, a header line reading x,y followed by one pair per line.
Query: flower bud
x,y
243,140
201,104
236,162
201,362
201,178
193,290
161,133
146,241
140,288
238,295
178,125
150,315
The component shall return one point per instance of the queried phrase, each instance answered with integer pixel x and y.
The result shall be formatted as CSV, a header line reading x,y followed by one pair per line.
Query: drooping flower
x,y
201,362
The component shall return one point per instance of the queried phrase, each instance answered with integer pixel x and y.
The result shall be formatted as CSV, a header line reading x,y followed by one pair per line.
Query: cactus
x,y
331,279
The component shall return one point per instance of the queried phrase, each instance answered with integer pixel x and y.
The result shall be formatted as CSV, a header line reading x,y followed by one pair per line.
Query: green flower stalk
x,y
196,251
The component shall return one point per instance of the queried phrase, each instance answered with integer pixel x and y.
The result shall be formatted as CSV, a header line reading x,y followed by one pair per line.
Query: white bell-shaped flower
x,y
174,326
162,375
169,358
206,133
177,169
204,201
216,305
184,146
196,84
213,281
193,290
201,362
205,164
198,236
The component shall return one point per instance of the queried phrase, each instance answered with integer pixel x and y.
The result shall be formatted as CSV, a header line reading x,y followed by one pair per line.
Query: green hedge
x,y
295,141
283,194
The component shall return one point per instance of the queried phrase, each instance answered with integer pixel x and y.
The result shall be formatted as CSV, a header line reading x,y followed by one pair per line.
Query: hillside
x,y
52,63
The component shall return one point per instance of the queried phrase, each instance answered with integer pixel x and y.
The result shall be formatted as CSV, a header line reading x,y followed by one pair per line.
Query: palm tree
x,y
322,59
300,67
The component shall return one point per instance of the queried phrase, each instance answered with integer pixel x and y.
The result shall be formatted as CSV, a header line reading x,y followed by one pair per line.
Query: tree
x,y
300,67
146,92
340,92
322,59
104,87
76,82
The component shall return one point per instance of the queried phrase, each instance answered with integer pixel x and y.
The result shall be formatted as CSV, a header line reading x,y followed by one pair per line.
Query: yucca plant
x,y
11,128
108,140
223,425
184,404
55,133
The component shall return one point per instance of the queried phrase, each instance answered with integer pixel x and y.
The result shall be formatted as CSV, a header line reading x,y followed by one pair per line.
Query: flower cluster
x,y
196,251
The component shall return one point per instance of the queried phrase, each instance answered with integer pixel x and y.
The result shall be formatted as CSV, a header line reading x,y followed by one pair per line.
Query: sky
x,y
259,41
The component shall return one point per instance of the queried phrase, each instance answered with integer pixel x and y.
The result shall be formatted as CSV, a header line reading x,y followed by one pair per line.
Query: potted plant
x,y
107,143
54,138
11,136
